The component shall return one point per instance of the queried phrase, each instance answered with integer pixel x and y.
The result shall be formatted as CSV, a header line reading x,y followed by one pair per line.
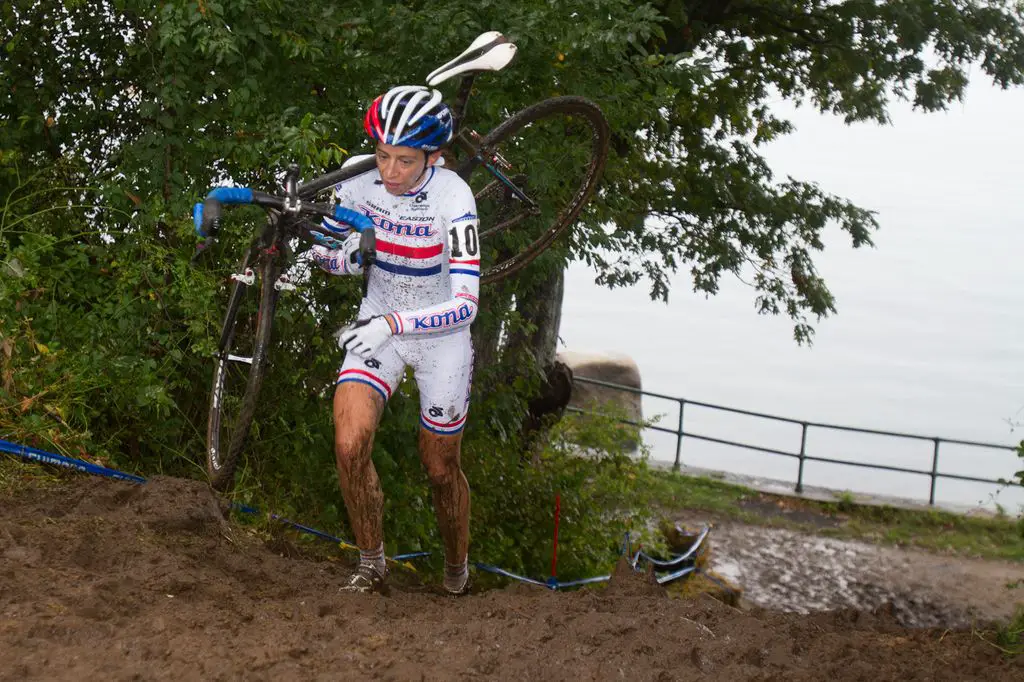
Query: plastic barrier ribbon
x,y
43,456
70,462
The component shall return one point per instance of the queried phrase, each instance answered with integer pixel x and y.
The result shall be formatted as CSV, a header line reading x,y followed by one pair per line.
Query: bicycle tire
x,y
577,110
222,462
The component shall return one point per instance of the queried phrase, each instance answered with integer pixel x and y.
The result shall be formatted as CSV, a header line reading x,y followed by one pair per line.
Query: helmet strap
x,y
426,165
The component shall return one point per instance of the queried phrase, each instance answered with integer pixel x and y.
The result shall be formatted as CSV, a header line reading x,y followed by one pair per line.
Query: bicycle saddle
x,y
490,51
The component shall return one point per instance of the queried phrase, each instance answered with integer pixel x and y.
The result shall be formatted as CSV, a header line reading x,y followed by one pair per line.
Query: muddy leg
x,y
357,410
440,455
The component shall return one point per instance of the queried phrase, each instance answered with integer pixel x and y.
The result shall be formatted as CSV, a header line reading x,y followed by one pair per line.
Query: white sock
x,y
374,558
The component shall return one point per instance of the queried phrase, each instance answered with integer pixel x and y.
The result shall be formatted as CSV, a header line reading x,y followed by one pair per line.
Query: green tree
x,y
721,208
168,99
117,115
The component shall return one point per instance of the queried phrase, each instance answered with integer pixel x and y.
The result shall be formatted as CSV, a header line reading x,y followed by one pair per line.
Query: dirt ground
x,y
107,580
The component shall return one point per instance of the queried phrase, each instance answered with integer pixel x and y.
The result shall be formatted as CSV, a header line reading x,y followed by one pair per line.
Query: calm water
x,y
929,338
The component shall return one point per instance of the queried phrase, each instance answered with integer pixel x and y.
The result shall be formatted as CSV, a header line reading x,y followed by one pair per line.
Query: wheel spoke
x,y
239,369
539,169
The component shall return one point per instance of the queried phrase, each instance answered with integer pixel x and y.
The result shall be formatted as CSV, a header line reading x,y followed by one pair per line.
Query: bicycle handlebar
x,y
206,215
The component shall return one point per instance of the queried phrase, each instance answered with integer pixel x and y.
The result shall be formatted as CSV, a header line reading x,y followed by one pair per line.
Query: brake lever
x,y
368,253
368,247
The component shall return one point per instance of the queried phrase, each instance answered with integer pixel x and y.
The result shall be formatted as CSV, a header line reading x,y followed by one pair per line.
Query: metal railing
x,y
934,474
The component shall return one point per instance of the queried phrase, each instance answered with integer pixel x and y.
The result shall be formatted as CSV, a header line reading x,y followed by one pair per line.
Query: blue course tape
x,y
508,574
552,584
675,561
81,465
305,529
585,581
60,460
675,576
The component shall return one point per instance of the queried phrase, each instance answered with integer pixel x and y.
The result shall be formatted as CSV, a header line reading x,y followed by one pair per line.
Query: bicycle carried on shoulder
x,y
531,176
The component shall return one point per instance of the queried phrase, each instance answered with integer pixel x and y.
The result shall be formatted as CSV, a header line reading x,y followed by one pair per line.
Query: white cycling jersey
x,y
427,274
426,280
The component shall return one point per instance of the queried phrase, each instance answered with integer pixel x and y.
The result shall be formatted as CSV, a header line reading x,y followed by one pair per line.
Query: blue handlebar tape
x,y
357,220
231,195
197,218
224,195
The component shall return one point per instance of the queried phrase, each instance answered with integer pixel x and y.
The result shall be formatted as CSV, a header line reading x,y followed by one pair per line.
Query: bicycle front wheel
x,y
532,175
240,364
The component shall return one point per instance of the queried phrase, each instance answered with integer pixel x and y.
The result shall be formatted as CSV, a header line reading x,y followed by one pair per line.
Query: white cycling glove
x,y
350,253
343,261
365,337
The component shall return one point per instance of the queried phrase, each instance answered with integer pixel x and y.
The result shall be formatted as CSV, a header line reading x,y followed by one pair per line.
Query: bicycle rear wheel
x,y
532,175
240,364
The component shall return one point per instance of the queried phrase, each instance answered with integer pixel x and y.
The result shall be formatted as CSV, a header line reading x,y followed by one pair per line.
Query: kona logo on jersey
x,y
449,318
325,262
465,216
401,229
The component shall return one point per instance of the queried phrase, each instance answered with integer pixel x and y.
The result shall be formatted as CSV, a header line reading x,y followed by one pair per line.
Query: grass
x,y
996,537
17,475
1010,637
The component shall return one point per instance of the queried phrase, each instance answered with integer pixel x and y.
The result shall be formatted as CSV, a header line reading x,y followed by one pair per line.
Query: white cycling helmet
x,y
410,116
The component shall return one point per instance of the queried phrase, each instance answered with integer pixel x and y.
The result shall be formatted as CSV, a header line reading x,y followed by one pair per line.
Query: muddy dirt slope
x,y
107,580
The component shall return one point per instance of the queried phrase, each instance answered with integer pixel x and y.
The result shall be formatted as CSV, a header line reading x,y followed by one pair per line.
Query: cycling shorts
x,y
442,367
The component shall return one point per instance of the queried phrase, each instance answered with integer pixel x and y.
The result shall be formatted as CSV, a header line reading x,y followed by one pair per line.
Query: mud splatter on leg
x,y
440,455
357,410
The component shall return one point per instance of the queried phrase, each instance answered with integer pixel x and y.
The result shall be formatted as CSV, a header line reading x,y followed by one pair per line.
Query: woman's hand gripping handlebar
x,y
206,217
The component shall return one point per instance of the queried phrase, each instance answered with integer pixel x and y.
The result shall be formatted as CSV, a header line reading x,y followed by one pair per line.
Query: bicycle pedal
x,y
246,278
284,283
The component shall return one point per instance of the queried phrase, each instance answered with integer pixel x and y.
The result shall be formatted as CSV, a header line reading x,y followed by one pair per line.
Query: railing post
x,y
679,435
803,454
935,471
